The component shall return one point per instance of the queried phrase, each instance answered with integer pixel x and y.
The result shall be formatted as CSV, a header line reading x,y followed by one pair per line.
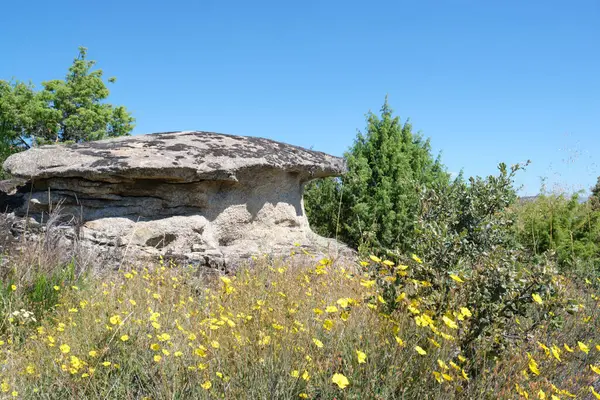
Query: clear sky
x,y
487,81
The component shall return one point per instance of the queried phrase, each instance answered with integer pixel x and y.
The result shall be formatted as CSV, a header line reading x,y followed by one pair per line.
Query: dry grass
x,y
278,330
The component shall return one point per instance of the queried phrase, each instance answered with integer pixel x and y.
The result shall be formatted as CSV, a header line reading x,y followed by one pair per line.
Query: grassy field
x,y
300,328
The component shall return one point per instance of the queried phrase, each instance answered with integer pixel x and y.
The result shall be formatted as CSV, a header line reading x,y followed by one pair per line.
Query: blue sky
x,y
486,81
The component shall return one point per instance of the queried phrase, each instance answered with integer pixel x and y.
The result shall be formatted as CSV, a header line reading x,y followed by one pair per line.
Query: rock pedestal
x,y
200,197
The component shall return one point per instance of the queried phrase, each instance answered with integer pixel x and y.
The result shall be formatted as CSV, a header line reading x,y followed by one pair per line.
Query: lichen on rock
x,y
201,197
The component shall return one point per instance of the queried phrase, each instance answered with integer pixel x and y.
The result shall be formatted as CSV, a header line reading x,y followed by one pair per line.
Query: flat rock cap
x,y
187,156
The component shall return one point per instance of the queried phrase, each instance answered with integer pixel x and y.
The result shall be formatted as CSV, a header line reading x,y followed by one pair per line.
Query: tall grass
x,y
296,329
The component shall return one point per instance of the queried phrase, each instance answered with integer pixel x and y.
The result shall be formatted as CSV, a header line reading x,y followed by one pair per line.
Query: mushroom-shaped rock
x,y
200,195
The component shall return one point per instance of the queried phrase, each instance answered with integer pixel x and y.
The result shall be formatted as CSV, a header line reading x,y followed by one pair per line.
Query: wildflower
x,y
583,347
303,396
306,375
556,352
420,350
106,363
215,344
163,337
124,338
157,358
30,369
595,369
567,348
381,299
340,380
115,320
65,348
367,283
328,324
456,278
375,258
178,354
442,364
57,288
295,374
362,357
317,343
399,341
331,309
596,394
4,387
342,303
417,259
533,366
449,322
93,353
206,385
465,312
13,287
537,298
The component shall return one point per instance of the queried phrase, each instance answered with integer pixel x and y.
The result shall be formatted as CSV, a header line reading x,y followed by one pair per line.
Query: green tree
x,y
69,110
374,205
595,196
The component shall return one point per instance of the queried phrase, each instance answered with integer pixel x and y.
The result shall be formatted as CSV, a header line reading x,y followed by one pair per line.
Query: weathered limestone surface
x,y
200,197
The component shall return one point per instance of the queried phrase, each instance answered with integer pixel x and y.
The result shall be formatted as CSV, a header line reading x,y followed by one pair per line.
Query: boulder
x,y
199,197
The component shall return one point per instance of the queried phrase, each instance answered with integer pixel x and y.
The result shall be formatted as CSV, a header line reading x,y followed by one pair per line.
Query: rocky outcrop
x,y
200,197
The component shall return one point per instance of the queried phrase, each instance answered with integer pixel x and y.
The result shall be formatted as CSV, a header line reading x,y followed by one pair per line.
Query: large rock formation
x,y
203,197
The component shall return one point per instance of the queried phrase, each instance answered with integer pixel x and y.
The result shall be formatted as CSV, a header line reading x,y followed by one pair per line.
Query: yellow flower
x,y
155,346
178,354
596,394
295,374
331,309
442,364
420,350
93,353
306,376
206,385
417,259
449,322
30,369
4,386
567,348
317,343
583,347
533,366
215,344
362,357
106,363
124,338
342,303
367,283
375,258
303,396
456,278
595,369
13,287
537,298
157,358
340,380
115,320
65,348
57,288
465,312
328,324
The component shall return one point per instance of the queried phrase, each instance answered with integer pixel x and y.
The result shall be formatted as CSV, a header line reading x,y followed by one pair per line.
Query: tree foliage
x,y
375,203
65,110
563,226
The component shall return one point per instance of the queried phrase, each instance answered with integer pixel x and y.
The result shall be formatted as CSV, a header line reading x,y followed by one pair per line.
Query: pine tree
x,y
375,204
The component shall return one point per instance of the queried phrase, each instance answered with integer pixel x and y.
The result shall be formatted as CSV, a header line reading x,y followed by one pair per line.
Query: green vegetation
x,y
374,204
461,291
69,110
